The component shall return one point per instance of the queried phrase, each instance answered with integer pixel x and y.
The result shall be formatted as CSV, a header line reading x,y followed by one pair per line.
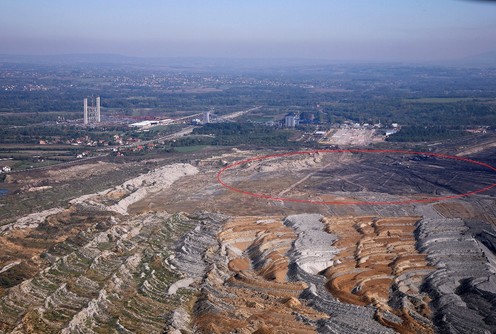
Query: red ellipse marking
x,y
296,200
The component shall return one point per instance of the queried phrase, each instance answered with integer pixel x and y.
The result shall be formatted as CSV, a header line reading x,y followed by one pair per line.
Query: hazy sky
x,y
330,29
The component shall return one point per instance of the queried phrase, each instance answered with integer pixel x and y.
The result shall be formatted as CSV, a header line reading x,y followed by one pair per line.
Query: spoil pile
x,y
118,199
464,284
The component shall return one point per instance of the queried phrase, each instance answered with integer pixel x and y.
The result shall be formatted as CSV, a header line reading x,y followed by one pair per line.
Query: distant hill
x,y
68,59
205,63
172,62
169,63
481,59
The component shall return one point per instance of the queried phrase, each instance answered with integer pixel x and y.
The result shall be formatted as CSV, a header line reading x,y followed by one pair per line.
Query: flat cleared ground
x,y
353,137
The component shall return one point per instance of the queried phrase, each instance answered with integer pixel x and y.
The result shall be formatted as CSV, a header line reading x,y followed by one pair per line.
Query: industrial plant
x,y
92,113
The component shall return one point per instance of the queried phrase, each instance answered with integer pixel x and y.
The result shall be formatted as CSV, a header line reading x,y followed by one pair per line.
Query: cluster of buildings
x,y
150,123
206,118
5,169
292,119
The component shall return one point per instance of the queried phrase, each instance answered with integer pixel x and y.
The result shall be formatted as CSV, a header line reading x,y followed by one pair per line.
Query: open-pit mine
x,y
396,245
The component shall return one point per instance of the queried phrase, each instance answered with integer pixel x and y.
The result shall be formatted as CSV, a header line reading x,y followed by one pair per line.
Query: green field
x,y
23,165
189,149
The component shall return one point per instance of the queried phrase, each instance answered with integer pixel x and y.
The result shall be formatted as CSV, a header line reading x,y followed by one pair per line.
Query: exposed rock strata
x,y
266,273
378,265
210,273
245,289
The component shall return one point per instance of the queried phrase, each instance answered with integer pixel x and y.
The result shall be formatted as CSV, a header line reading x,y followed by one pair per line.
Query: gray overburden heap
x,y
464,284
312,252
193,247
194,257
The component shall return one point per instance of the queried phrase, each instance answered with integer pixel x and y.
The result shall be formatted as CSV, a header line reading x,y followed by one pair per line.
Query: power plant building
x,y
91,113
291,120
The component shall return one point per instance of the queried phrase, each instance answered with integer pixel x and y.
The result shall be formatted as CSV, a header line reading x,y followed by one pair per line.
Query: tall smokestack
x,y
98,109
206,117
85,102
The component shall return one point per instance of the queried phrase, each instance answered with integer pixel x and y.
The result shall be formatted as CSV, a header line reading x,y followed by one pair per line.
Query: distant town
x,y
53,114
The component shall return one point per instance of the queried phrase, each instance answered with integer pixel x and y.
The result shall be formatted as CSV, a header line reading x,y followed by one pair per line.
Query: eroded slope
x,y
307,273
247,289
379,265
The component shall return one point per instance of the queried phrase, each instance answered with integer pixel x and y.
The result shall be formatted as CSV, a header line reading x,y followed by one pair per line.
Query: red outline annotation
x,y
296,200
